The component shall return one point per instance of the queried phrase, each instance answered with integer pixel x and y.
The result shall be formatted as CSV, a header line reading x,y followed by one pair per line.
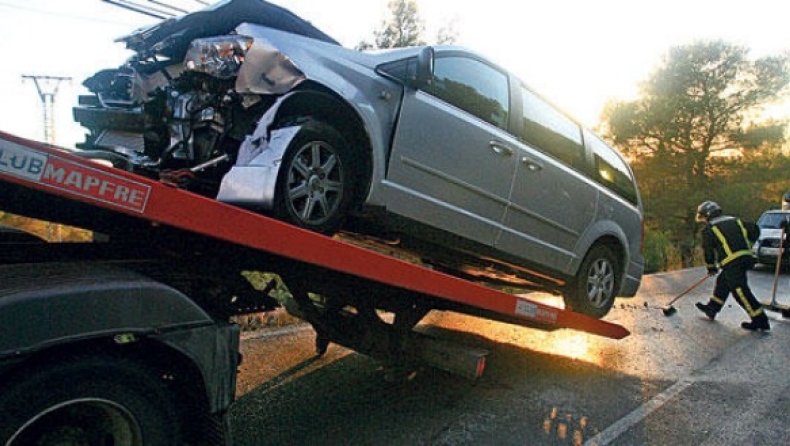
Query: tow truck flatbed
x,y
208,238
51,178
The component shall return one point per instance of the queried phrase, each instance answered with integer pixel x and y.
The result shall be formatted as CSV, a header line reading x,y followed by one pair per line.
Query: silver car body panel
x,y
567,203
267,71
446,168
352,76
252,181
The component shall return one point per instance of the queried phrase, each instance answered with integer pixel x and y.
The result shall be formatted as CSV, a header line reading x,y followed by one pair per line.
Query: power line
x,y
160,10
183,11
62,15
141,9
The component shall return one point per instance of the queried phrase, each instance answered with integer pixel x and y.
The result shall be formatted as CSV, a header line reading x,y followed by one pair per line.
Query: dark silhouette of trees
x,y
696,132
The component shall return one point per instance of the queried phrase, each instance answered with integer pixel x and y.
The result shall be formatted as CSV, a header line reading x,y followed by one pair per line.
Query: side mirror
x,y
423,73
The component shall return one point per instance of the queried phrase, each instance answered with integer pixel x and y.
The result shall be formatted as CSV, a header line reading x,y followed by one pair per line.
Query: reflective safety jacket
x,y
727,238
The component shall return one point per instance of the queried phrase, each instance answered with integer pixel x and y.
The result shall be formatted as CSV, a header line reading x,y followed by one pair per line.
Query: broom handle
x,y
778,264
688,290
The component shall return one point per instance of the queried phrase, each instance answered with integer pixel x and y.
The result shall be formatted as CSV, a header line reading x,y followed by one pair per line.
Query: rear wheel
x,y
314,188
107,158
594,290
90,401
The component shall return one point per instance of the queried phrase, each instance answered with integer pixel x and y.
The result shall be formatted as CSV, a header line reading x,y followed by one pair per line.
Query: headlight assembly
x,y
220,57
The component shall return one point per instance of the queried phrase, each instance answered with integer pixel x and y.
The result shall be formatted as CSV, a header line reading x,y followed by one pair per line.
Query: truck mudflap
x,y
29,166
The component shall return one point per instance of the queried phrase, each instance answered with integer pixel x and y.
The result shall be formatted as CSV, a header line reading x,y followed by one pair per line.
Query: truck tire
x,y
314,187
89,401
594,290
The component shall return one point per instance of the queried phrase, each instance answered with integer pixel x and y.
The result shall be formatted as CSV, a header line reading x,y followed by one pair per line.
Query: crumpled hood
x,y
171,37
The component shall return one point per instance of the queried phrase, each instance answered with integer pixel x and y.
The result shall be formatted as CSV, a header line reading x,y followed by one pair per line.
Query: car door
x,y
552,202
452,162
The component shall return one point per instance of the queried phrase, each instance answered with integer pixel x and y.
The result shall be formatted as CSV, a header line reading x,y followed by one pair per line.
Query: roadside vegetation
x,y
710,123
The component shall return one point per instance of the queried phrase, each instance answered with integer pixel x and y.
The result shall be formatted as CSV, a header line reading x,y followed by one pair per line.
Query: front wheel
x,y
594,289
90,401
314,187
107,158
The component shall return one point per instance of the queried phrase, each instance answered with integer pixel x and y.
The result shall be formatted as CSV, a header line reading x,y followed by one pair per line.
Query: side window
x,y
611,170
472,86
550,131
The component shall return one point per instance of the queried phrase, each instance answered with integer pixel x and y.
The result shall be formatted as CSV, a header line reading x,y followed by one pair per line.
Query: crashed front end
x,y
181,109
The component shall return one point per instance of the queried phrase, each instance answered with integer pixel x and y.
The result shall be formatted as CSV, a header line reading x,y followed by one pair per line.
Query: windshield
x,y
772,220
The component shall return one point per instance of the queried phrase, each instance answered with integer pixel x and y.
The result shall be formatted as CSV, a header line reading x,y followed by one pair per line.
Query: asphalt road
x,y
676,380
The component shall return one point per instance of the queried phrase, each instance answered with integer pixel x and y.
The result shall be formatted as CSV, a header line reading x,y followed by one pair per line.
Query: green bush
x,y
660,253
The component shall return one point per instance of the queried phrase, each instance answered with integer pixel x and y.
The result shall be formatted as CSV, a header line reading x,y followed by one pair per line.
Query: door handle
x,y
500,149
532,166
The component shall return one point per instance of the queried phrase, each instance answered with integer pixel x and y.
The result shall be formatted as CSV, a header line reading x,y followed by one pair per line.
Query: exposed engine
x,y
186,131
179,109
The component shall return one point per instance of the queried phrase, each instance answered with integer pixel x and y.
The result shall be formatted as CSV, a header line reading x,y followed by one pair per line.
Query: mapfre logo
x,y
59,173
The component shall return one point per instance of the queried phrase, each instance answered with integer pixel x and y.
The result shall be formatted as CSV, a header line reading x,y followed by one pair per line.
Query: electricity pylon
x,y
47,87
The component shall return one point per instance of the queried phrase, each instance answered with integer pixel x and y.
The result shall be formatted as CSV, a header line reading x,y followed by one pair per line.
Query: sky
x,y
578,53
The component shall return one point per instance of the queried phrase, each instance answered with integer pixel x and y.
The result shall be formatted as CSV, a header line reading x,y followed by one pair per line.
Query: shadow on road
x,y
525,397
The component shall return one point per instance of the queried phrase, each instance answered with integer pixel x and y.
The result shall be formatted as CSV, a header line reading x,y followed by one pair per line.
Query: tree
x,y
694,113
402,28
448,34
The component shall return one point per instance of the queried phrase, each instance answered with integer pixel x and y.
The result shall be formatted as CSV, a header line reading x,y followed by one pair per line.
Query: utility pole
x,y
47,87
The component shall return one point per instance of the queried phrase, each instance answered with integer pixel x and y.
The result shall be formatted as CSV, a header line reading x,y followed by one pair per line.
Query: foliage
x,y
403,27
447,34
48,231
695,123
660,253
278,317
259,280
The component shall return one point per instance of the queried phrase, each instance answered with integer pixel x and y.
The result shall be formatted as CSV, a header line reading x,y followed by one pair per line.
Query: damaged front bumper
x,y
252,181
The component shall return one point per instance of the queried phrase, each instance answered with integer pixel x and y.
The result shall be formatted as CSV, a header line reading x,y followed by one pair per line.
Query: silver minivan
x,y
434,150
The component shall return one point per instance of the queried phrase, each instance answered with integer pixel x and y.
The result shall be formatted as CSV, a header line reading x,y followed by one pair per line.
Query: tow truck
x,y
128,339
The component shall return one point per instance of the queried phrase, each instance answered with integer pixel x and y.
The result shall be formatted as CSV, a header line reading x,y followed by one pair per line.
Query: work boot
x,y
757,324
708,310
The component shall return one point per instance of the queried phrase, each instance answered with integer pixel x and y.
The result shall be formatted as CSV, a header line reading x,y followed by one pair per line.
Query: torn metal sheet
x,y
253,179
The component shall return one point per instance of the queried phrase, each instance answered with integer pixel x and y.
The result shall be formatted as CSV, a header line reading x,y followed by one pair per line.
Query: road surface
x,y
677,380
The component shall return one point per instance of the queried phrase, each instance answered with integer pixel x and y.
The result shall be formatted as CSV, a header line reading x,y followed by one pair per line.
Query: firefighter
x,y
727,241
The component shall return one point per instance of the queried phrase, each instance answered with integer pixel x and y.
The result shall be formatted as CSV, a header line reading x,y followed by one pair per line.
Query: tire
x,y
106,157
88,401
314,188
595,288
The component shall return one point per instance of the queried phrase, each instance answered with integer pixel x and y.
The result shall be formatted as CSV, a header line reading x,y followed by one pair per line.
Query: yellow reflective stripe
x,y
717,300
745,302
734,256
723,241
743,231
727,250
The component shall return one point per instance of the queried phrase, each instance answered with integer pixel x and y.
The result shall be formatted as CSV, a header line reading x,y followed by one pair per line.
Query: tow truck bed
x,y
46,182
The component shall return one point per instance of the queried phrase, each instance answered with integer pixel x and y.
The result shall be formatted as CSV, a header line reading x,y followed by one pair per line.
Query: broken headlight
x,y
220,57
